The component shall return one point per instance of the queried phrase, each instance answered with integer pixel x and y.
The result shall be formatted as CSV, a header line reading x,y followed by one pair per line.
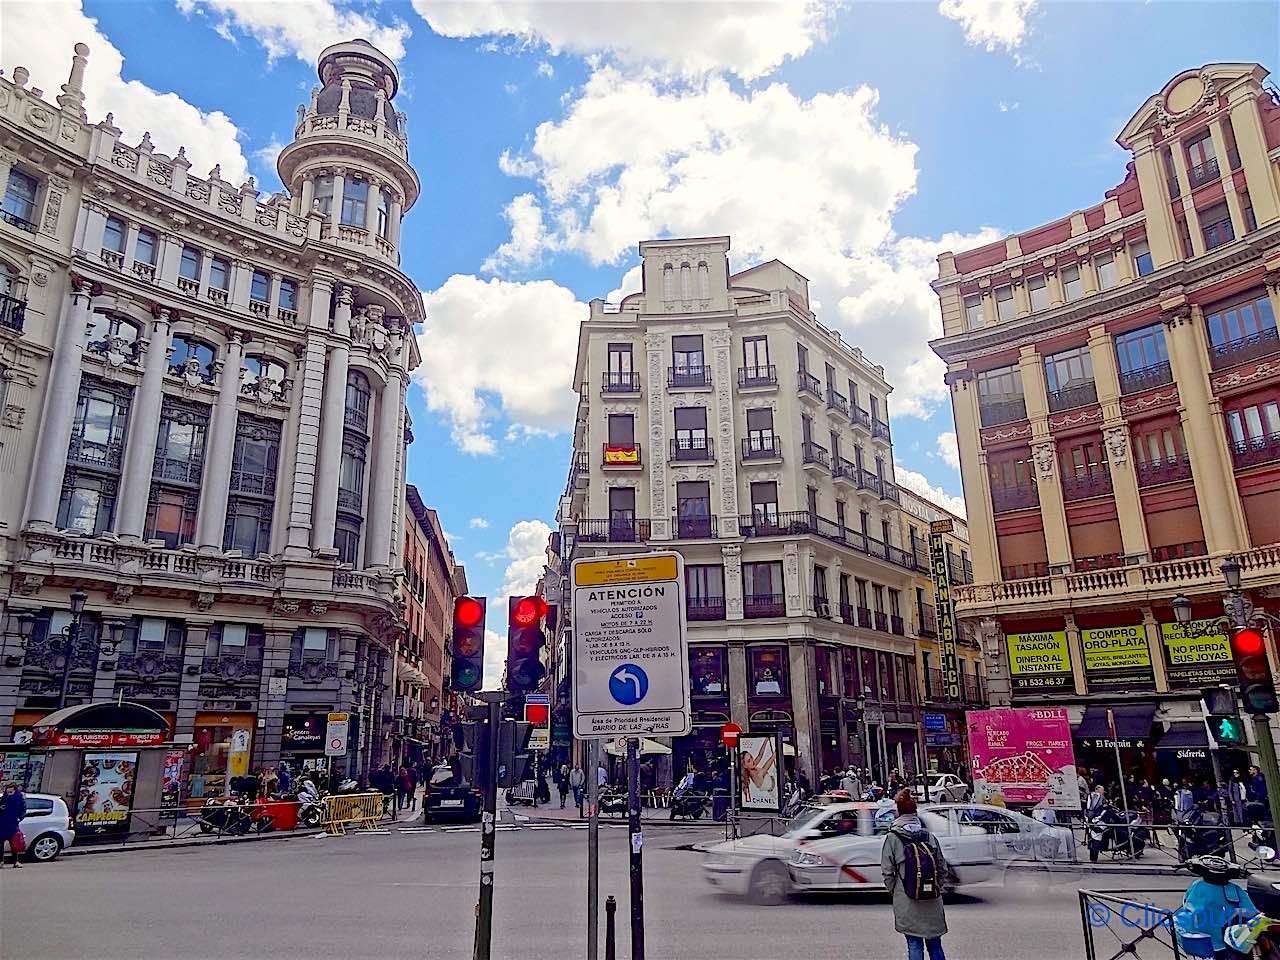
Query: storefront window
x,y
769,672
219,751
707,671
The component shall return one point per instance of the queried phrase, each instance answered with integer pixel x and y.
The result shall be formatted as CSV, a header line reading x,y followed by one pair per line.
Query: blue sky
x,y
853,140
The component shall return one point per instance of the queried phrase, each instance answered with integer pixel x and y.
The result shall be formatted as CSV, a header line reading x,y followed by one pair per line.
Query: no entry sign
x,y
729,734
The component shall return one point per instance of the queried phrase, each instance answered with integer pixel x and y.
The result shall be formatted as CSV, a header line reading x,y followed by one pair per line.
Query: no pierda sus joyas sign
x,y
630,650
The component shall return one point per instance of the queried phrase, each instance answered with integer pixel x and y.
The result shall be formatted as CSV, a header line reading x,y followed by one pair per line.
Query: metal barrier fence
x,y
1117,926
1171,844
358,810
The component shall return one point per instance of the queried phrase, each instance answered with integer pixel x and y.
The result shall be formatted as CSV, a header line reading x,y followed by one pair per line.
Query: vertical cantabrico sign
x,y
946,610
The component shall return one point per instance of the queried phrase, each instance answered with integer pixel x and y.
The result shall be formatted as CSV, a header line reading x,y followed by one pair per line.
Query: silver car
x,y
944,787
48,827
1016,837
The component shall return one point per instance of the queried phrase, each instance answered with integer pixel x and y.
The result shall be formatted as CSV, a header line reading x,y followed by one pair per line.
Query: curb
x,y
92,850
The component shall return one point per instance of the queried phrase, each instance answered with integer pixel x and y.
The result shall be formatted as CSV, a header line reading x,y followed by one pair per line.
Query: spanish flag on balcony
x,y
621,454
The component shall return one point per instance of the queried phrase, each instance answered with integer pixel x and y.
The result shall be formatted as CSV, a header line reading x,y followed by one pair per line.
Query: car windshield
x,y
807,819
441,775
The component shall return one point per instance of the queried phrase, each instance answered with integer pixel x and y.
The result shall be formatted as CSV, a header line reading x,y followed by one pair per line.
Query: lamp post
x,y
71,633
866,733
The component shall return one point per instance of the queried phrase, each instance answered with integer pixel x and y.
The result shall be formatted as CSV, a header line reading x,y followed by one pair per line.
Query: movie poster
x,y
106,793
761,783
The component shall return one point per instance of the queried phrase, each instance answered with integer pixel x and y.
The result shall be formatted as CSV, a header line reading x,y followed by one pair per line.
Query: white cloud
x,y
495,653
813,182
692,37
545,69
631,283
921,485
41,35
299,28
265,159
491,346
1007,107
948,450
990,24
479,523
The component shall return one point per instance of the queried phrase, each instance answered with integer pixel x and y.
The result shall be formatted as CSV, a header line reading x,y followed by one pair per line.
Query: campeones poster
x,y
1025,756
106,792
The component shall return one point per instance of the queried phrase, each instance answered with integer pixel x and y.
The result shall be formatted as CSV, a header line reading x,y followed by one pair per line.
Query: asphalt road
x,y
401,895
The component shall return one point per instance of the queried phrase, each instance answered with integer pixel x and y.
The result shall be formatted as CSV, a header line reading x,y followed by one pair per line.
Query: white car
x,y
853,862
47,827
1016,836
756,866
946,787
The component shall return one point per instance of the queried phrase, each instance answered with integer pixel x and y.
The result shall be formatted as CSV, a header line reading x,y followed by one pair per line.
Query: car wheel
x,y
45,847
770,883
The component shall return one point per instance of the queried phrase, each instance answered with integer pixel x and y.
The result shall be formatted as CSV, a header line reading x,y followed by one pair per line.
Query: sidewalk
x,y
552,812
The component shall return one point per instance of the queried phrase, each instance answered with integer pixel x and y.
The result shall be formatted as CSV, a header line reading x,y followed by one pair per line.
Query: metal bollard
x,y
610,908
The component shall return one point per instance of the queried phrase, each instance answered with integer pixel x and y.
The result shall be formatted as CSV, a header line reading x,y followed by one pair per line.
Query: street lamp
x,y
71,635
1182,610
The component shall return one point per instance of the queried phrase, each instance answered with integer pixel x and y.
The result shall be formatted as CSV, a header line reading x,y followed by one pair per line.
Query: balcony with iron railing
x,y
927,619
842,471
1155,472
816,455
837,402
1085,484
13,313
705,608
1253,347
762,376
16,221
613,530
1198,174
800,522
881,621
1145,378
867,480
1073,395
1021,496
897,625
1252,451
995,410
1179,551
688,377
861,418
702,527
761,447
880,430
612,381
756,606
809,386
696,448
890,492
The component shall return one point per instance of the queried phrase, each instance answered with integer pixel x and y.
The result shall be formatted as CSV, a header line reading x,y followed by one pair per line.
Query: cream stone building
x,y
718,417
202,422
1115,377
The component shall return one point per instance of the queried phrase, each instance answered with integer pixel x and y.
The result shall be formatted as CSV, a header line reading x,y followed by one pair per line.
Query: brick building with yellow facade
x,y
1115,379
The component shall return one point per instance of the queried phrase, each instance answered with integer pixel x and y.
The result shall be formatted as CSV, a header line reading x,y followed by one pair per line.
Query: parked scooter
x,y
686,803
311,805
1121,835
1218,916
1200,832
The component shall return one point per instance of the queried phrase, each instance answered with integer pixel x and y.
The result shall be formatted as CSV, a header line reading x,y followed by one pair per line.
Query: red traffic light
x,y
1248,642
468,612
528,611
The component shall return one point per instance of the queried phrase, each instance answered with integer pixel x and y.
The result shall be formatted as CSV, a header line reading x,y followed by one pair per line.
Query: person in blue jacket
x,y
13,807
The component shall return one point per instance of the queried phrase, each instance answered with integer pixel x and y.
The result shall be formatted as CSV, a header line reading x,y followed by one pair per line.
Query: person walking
x,y
13,807
576,780
562,784
914,868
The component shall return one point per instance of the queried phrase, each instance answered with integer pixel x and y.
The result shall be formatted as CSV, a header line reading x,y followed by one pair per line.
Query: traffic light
x,y
1227,730
468,643
514,759
475,744
525,641
1257,689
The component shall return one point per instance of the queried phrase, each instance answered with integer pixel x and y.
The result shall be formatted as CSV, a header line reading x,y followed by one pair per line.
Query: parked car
x,y
852,862
944,787
48,826
446,797
1016,835
756,867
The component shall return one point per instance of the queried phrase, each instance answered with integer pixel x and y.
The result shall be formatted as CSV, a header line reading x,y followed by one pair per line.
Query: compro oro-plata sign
x,y
1119,656
630,651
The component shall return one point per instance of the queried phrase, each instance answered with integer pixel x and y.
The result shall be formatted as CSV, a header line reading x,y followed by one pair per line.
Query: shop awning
x,y
1133,723
1184,735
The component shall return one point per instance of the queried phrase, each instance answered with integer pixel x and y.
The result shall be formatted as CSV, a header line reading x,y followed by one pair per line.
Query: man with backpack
x,y
914,870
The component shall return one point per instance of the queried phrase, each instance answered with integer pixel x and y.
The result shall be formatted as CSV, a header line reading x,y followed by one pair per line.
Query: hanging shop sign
x,y
1116,656
946,610
1039,661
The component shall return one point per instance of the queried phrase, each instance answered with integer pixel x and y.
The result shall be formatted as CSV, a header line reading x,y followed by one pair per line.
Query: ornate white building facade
x,y
202,422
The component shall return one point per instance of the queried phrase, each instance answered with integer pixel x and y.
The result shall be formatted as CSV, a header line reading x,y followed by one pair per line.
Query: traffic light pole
x,y
1270,770
488,825
636,838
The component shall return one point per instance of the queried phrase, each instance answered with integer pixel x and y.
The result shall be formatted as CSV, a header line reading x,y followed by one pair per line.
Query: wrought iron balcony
x,y
771,524
1020,497
1198,174
861,418
695,528
89,453
864,617
882,621
843,470
928,620
1155,472
837,402
705,608
612,381
808,385
817,455
896,625
1255,450
678,377
880,429
1253,347
761,447
1144,378
756,605
994,411
765,376
13,313
1086,484
868,480
691,448
16,221
1073,395
613,530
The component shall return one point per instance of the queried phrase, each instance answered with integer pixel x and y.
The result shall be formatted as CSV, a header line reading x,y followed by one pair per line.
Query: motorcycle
x,y
686,803
1121,835
230,814
1200,832
311,805
1217,914
613,801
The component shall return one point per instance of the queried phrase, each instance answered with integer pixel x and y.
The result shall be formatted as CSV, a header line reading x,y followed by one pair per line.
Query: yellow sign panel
x,y
1115,648
1042,652
339,717
942,526
643,569
1191,650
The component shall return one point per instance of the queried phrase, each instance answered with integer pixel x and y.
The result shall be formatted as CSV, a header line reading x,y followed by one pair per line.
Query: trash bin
x,y
283,813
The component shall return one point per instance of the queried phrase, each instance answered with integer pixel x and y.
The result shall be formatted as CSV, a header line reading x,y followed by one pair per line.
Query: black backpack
x,y
921,872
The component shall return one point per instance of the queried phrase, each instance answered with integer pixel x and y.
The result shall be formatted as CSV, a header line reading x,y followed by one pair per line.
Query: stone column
x,y
1021,296
1201,413
130,245
1088,274
1053,279
241,282
95,225
308,192
793,590
371,211
731,554
1115,433
1045,452
1252,144
193,650
1162,235
725,433
271,707
1076,653
58,415
1224,175
217,463
738,680
324,515
393,221
310,383
973,478
386,474
1155,643
170,259
144,425
803,706
1124,262
339,189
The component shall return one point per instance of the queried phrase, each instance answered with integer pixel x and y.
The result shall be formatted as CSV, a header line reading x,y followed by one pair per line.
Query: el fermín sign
x,y
630,649
946,610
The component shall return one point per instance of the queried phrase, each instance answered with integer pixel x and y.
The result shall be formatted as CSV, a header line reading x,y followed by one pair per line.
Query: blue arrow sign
x,y
628,684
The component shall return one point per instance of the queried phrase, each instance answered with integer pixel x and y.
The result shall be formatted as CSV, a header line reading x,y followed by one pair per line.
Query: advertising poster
x,y
1039,661
1117,656
171,779
761,786
1025,756
106,793
1196,661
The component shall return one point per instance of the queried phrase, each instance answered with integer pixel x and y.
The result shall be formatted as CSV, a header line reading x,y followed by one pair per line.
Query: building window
x,y
171,516
707,669
19,204
755,354
346,538
622,430
219,274
288,299
1000,396
1072,285
260,287
113,235
1004,304
258,366
186,349
1250,319
314,643
691,431
351,475
973,311
384,212
1142,263
1038,292
704,591
100,426
1068,368
88,502
322,201
253,485
764,503
687,356
1215,224
357,403
248,528
1108,276
144,248
355,201
114,334
1141,349
189,265
760,436
180,443
1202,164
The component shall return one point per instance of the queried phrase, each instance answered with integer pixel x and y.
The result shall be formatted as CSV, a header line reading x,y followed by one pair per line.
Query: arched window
x,y
114,334
686,282
668,282
704,282
261,372
358,394
188,348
